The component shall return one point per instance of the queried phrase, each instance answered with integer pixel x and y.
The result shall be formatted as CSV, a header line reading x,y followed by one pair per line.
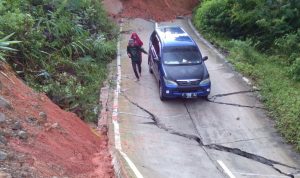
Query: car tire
x,y
149,66
161,95
205,98
150,70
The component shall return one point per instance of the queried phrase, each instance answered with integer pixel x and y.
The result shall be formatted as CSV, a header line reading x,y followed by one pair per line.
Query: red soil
x,y
63,145
158,10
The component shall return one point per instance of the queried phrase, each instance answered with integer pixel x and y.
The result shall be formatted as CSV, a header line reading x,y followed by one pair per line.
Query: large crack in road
x,y
213,98
236,151
233,93
234,104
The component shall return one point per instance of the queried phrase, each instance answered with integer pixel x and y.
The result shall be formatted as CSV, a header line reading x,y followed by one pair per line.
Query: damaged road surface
x,y
229,135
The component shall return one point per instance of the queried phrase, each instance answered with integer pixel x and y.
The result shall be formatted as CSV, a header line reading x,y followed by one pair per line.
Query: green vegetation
x,y
65,47
4,43
263,41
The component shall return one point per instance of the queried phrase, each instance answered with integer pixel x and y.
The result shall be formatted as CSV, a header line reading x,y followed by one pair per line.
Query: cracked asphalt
x,y
187,138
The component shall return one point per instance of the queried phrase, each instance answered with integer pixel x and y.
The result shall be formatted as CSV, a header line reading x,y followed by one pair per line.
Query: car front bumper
x,y
186,92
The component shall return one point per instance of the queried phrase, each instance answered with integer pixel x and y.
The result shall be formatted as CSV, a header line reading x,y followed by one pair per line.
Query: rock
x,y
55,125
31,120
50,127
2,118
3,155
3,140
24,174
17,126
22,135
5,175
4,103
43,116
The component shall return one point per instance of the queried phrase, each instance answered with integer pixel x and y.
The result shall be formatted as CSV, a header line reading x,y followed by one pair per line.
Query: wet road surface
x,y
228,136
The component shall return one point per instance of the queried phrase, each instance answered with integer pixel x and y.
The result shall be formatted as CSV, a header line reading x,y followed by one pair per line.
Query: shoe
x,y
136,80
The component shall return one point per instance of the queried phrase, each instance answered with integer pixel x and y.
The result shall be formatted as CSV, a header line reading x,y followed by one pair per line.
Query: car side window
x,y
152,37
156,48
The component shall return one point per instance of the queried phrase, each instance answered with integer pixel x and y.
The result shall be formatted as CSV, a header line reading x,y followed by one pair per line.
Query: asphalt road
x,y
228,136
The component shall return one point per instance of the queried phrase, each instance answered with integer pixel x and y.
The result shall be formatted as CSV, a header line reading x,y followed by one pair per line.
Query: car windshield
x,y
181,55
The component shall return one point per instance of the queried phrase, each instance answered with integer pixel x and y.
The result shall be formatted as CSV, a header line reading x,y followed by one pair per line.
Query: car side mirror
x,y
204,58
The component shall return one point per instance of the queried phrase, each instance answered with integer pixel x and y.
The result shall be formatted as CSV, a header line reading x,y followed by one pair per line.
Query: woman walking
x,y
134,52
137,42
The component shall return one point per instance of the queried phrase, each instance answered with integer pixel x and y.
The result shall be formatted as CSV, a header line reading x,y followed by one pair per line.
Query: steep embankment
x,y
159,10
38,139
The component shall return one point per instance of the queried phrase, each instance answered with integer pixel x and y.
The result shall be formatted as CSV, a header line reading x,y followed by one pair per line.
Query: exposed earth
x,y
158,10
38,139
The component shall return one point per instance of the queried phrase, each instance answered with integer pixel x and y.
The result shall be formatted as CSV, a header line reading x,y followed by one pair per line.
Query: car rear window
x,y
181,55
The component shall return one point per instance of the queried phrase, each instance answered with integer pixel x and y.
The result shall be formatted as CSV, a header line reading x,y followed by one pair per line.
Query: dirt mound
x,y
38,139
158,10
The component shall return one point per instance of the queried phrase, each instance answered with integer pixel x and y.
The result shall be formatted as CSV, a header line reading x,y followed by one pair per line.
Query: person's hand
x,y
129,55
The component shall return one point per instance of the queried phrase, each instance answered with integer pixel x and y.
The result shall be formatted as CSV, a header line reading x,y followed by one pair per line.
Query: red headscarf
x,y
137,40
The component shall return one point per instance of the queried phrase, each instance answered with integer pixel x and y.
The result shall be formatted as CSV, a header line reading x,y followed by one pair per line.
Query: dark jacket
x,y
134,52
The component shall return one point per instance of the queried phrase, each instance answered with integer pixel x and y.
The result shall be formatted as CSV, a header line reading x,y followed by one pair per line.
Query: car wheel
x,y
149,66
161,95
205,98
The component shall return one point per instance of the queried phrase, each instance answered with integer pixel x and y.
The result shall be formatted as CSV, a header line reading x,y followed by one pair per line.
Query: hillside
x,y
158,10
38,139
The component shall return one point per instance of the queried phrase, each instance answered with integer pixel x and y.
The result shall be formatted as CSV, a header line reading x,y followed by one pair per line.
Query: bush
x,y
102,48
288,45
262,21
213,15
295,69
16,21
242,51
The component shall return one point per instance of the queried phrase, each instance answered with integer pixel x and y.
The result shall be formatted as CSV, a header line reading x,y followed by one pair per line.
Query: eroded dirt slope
x,y
38,139
158,10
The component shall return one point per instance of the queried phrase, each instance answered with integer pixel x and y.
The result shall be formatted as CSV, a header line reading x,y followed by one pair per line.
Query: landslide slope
x,y
158,10
38,139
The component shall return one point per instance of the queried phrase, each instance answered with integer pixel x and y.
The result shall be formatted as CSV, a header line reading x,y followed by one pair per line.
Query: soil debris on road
x,y
158,10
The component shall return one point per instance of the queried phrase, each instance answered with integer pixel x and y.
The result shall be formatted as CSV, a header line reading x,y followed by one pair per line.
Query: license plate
x,y
189,95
